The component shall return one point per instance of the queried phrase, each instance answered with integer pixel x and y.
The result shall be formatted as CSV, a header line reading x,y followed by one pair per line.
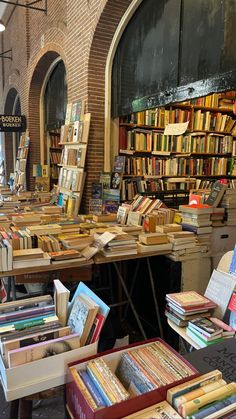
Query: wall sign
x,y
12,123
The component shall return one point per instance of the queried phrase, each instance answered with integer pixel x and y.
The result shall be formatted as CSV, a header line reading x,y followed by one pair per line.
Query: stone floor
x,y
52,408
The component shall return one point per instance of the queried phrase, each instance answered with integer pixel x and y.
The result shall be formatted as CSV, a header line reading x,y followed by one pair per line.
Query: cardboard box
x,y
40,375
79,408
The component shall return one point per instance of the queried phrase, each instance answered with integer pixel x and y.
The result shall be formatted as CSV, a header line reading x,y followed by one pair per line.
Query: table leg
x,y
13,288
9,288
154,298
26,407
132,286
14,408
130,300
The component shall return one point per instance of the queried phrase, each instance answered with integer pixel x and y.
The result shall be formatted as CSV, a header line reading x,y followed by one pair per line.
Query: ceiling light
x,y
2,26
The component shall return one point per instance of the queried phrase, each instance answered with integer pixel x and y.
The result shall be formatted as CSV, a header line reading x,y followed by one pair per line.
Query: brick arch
x,y
11,96
39,68
108,19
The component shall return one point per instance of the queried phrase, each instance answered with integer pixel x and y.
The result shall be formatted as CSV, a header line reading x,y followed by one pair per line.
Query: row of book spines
x,y
55,157
180,144
144,166
160,117
19,239
131,187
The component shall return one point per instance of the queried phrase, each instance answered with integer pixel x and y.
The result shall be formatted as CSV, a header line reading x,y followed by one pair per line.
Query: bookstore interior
x,y
167,208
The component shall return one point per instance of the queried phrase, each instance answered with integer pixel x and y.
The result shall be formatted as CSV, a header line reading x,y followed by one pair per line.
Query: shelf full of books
x,y
55,150
154,146
73,139
21,162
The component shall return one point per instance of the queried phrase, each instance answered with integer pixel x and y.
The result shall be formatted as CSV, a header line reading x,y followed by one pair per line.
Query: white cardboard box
x,y
40,375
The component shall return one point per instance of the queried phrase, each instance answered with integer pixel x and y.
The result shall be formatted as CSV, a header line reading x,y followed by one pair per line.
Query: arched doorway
x,y
36,115
10,140
53,104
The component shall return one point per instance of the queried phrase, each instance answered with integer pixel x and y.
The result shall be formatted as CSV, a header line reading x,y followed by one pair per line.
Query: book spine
x,y
80,384
216,407
92,388
100,388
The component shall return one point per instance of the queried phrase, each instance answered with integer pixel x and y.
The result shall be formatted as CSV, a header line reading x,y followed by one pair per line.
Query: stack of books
x,y
30,257
229,203
62,256
75,240
217,217
197,219
187,305
154,242
208,396
207,331
136,372
122,244
183,244
49,243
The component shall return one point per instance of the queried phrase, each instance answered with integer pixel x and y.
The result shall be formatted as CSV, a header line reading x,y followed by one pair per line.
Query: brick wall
x,y
80,31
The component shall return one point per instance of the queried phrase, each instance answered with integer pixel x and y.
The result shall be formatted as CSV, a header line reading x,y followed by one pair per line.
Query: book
x,y
122,214
82,387
216,194
153,238
188,299
82,316
219,289
98,243
168,228
61,298
205,326
144,248
116,179
24,324
199,338
232,267
43,350
157,411
92,388
221,409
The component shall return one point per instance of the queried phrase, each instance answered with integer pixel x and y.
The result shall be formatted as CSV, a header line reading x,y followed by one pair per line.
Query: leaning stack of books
x,y
205,331
188,305
207,396
27,258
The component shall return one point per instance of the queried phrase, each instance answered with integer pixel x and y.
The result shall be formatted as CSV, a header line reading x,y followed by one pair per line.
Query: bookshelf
x,y
207,150
21,162
73,140
55,150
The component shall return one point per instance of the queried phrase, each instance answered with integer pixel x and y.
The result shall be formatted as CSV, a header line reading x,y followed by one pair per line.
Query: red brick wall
x,y
80,31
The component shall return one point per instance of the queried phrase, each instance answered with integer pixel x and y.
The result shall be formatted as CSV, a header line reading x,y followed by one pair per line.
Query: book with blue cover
x,y
232,267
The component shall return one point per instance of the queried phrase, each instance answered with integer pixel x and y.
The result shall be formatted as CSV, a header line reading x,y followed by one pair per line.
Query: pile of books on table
x,y
188,305
122,244
197,219
207,331
229,204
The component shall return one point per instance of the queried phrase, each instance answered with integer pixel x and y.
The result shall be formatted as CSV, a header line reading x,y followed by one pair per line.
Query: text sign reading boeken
x,y
12,123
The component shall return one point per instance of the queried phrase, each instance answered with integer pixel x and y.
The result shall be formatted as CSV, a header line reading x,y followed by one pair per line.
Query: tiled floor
x,y
52,408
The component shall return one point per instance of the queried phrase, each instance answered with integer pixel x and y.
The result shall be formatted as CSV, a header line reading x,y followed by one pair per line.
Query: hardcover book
x,y
157,411
205,326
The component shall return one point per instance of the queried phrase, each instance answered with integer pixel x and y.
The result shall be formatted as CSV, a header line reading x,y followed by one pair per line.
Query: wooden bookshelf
x,y
21,162
72,165
206,150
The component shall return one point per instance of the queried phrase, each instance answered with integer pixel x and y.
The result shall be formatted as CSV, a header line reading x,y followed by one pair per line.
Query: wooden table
x,y
182,333
101,259
41,269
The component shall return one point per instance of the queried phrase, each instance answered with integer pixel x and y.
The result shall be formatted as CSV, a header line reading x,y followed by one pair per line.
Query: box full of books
x,y
119,382
39,336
